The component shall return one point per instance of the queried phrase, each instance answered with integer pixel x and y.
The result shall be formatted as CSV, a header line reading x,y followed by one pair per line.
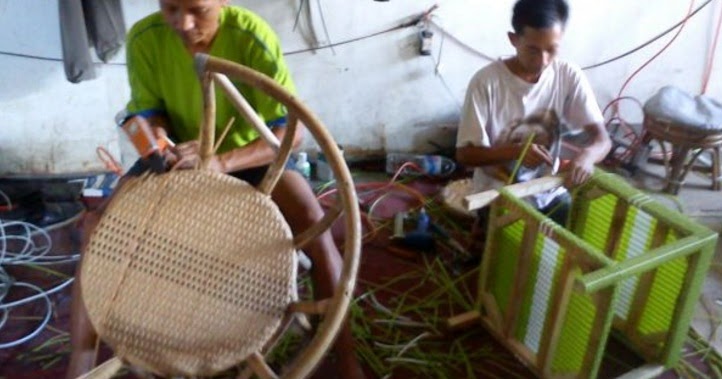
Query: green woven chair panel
x,y
595,230
630,236
636,239
612,222
544,280
661,303
503,265
574,339
542,286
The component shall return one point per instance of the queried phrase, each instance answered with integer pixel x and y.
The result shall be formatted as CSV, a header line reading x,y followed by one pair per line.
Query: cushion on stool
x,y
699,113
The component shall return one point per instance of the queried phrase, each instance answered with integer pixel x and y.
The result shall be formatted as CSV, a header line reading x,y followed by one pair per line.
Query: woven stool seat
x,y
691,125
188,272
688,142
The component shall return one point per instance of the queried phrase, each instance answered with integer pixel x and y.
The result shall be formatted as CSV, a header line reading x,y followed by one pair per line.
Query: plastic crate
x,y
553,294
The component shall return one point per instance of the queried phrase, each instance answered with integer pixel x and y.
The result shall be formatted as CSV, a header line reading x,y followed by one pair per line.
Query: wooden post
x,y
482,199
521,276
208,128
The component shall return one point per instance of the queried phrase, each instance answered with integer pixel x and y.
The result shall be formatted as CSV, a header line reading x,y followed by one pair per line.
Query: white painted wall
x,y
374,94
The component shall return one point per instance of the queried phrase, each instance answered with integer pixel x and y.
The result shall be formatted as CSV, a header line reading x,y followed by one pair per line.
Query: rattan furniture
x,y
191,272
687,144
625,263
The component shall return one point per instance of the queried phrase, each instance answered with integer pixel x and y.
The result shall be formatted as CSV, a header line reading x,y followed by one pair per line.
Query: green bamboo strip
x,y
602,278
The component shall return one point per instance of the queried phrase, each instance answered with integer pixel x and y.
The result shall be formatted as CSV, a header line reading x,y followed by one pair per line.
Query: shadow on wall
x,y
21,77
437,137
30,27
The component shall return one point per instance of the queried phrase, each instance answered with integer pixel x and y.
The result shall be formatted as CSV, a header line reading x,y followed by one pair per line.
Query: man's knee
x,y
296,200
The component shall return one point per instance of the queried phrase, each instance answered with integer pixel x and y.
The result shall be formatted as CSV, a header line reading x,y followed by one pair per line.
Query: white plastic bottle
x,y
302,165
323,168
432,165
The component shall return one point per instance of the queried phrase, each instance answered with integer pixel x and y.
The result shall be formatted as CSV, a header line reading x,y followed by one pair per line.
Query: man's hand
x,y
186,155
536,155
580,170
582,166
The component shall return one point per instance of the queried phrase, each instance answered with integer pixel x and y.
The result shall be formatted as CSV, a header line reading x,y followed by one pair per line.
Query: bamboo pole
x,y
654,258
275,170
521,277
260,367
310,307
208,129
555,319
246,110
534,186
105,371
463,320
317,229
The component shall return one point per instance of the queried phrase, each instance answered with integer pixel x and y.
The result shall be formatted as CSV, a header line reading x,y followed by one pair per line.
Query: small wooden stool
x,y
685,139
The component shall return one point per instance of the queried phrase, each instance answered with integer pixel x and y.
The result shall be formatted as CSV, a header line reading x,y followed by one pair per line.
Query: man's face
x,y
536,48
195,21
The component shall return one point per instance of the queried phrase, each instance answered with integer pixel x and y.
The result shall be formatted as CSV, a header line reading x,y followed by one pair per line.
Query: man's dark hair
x,y
539,14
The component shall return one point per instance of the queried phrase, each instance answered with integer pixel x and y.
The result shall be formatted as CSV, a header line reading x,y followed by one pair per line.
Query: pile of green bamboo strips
x,y
398,324
406,336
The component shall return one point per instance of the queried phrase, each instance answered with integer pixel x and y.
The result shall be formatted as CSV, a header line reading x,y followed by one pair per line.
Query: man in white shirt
x,y
535,89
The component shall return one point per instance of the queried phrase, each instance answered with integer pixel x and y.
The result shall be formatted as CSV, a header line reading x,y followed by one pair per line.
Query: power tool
x,y
424,237
149,147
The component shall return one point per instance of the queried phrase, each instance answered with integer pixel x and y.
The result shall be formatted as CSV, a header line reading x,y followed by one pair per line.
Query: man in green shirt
x,y
166,94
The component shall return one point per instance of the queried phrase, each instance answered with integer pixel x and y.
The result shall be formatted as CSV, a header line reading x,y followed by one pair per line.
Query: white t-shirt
x,y
497,99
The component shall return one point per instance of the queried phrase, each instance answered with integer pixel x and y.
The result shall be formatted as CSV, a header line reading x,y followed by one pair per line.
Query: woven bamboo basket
x,y
626,263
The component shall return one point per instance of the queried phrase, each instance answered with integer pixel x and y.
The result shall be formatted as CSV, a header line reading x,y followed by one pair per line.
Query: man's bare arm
x,y
257,153
582,165
496,155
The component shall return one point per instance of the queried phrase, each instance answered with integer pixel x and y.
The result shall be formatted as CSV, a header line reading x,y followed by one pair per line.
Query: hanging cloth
x,y
89,22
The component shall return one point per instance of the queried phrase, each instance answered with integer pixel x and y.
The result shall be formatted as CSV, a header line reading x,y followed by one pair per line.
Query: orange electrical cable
x,y
681,27
110,163
377,189
710,60
614,103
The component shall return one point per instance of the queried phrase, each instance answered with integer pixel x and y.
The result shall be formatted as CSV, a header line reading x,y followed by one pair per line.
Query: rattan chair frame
x,y
212,71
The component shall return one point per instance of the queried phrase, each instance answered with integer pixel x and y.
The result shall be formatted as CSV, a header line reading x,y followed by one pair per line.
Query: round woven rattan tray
x,y
188,272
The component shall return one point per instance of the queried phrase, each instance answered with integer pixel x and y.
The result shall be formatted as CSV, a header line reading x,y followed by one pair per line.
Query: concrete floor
x,y
700,203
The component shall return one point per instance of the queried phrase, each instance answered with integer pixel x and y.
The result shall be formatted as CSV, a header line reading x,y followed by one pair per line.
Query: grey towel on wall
x,y
86,22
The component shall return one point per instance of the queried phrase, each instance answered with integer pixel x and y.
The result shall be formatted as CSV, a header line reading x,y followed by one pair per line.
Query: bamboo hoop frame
x,y
337,306
333,310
